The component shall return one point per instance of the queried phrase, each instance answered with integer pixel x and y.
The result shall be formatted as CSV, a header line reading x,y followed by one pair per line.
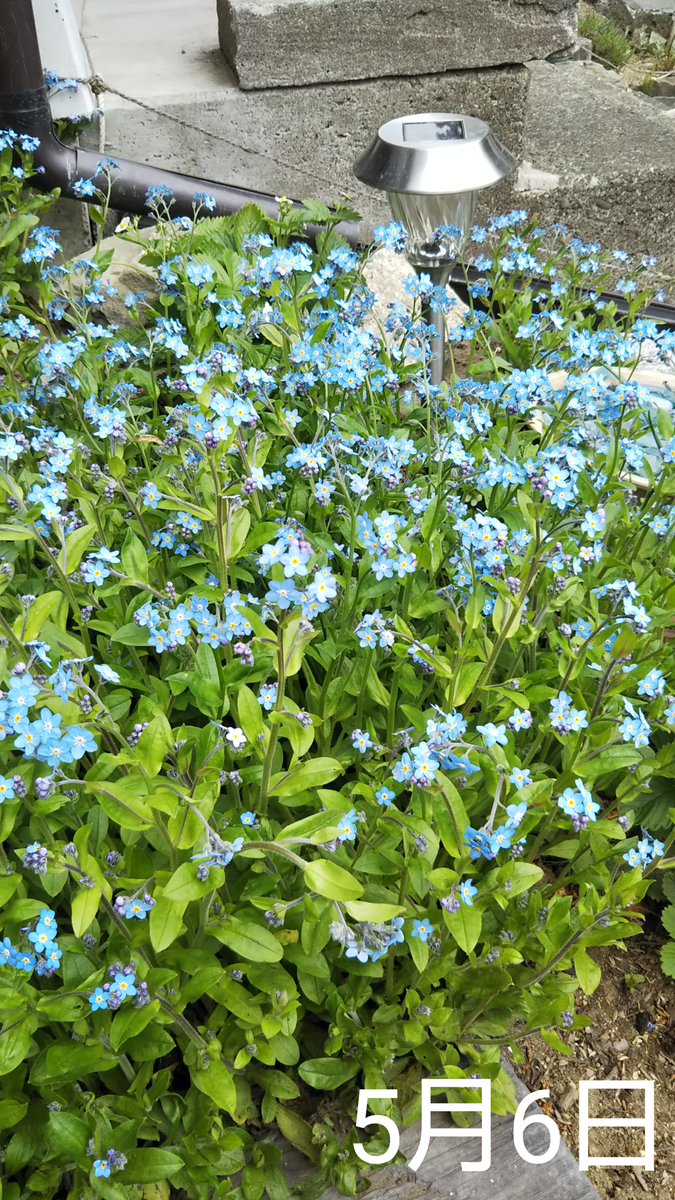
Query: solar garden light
x,y
432,167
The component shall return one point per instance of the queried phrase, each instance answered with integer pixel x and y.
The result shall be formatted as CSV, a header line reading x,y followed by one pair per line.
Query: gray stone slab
x,y
293,141
600,158
303,141
441,1177
653,15
282,43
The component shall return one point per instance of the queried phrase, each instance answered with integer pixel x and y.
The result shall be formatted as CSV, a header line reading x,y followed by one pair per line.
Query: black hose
x,y
462,277
24,107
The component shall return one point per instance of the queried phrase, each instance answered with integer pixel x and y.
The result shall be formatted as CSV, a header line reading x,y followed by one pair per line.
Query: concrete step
x,y
600,158
282,43
593,153
299,141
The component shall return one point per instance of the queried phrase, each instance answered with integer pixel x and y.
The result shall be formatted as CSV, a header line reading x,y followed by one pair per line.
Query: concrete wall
x,y
297,141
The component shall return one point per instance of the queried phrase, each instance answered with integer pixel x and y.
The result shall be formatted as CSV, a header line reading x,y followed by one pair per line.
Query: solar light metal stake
x,y
432,167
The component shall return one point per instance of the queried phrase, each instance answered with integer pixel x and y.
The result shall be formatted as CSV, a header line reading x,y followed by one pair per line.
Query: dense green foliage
x,y
328,695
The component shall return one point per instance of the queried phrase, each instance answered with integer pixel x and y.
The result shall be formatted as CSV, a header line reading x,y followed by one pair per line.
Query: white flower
x,y
236,737
107,674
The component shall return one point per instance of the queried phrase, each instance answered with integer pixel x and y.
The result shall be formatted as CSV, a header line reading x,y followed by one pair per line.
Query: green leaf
x,y
253,1182
17,227
427,603
668,959
153,744
285,1048
67,1061
181,503
555,1041
298,1132
250,219
361,910
238,528
166,922
451,819
76,544
588,972
150,1166
11,1112
264,531
13,1045
668,918
474,609
128,1022
277,1083
154,1042
217,1083
312,964
67,1136
134,558
419,951
84,907
37,615
328,1074
614,758
131,635
15,533
185,886
332,881
204,681
308,825
465,926
312,774
466,681
524,876
8,886
236,999
250,714
122,802
375,688
247,940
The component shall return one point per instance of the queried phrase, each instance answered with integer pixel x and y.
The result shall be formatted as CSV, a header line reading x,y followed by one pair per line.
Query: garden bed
x,y
617,1045
333,700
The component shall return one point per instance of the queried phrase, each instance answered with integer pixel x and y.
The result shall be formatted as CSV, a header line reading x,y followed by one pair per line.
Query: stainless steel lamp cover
x,y
432,166
434,154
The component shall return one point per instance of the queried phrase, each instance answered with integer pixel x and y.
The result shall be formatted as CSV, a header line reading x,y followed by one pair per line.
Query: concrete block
x,y
583,50
303,141
656,16
663,87
293,141
282,43
600,159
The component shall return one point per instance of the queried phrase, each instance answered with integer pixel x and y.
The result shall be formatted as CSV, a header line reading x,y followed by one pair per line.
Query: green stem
x,y
180,1020
166,838
362,689
393,697
274,731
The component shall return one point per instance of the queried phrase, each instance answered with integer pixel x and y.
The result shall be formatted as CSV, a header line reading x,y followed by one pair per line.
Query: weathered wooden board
x,y
441,1177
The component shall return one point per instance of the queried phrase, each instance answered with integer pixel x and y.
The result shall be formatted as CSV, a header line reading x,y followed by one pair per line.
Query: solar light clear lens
x,y
438,226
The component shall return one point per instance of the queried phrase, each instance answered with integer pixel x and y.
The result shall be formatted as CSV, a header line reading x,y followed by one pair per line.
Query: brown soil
x,y
613,1048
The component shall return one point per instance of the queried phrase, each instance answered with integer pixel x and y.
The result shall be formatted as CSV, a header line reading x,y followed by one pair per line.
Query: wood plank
x,y
440,1176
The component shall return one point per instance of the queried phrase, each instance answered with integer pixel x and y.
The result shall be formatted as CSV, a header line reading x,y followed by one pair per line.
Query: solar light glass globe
x,y
438,225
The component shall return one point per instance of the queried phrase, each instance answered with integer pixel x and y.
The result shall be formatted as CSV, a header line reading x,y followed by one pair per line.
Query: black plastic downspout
x,y
24,107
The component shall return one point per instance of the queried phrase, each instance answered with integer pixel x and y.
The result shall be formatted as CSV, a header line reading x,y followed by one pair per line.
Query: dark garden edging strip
x,y
462,276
